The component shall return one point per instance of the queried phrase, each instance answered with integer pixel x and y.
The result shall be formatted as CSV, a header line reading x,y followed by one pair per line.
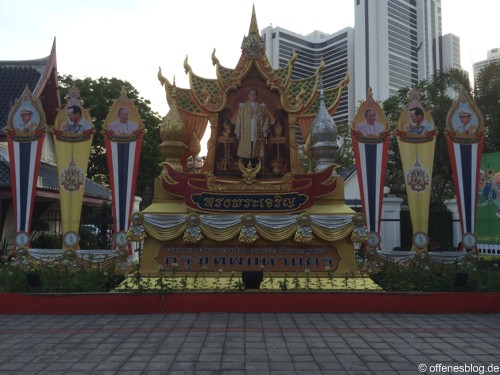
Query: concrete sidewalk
x,y
249,343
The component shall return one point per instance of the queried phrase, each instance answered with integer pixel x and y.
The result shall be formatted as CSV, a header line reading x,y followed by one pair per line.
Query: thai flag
x,y
24,167
465,161
371,163
123,162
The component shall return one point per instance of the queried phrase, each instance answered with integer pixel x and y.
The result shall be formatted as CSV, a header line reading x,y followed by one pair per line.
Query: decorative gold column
x,y
173,133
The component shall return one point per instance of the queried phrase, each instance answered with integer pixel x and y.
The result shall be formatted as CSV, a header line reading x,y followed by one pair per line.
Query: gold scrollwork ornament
x,y
303,233
248,233
136,232
192,233
359,233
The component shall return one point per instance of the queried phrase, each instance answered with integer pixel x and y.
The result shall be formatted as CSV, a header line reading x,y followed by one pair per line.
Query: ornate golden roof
x,y
209,96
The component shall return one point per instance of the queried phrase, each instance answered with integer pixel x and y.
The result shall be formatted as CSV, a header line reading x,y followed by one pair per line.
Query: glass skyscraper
x,y
336,50
396,44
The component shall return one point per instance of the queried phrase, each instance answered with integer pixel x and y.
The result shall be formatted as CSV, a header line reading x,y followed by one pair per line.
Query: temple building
x,y
253,205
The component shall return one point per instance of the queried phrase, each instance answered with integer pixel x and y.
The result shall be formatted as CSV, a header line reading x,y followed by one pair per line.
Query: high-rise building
x,y
337,50
449,46
396,44
493,56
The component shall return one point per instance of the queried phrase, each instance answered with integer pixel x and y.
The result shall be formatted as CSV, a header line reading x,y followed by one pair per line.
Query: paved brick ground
x,y
230,343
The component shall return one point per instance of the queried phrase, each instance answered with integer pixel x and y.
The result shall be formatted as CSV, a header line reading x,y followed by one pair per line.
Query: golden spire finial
x,y
253,45
174,94
173,133
123,100
254,28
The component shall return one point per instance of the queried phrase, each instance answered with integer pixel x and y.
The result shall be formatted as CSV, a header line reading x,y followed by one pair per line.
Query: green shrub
x,y
482,276
59,278
12,279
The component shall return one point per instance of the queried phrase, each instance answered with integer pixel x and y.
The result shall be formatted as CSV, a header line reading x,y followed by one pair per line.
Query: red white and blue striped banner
x,y
465,139
24,156
123,133
371,163
370,140
123,161
25,135
465,161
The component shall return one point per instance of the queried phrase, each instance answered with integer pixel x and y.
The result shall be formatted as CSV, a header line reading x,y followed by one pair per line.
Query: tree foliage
x,y
487,96
98,96
345,155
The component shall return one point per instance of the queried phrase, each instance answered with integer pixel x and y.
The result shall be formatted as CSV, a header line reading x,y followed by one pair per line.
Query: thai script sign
x,y
233,258
247,202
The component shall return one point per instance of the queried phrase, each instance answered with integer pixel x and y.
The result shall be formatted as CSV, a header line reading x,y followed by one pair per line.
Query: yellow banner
x,y
417,139
73,133
417,160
